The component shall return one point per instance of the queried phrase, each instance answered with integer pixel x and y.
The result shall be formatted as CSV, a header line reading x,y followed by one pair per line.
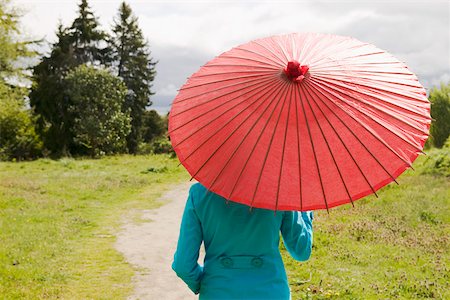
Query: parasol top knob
x,y
294,71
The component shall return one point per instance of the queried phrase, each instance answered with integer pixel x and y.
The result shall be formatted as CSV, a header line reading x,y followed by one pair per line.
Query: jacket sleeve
x,y
297,233
185,259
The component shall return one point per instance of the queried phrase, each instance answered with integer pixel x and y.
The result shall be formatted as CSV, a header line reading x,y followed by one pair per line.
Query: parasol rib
x,y
214,119
283,50
299,89
386,112
256,143
368,116
384,94
242,123
307,50
412,96
298,153
276,63
215,107
251,59
258,66
282,152
371,79
351,131
257,80
236,72
267,153
340,138
331,65
328,146
184,88
382,72
281,62
246,135
333,50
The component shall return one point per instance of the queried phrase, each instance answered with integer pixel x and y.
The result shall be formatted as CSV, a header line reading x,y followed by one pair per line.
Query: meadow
x,y
58,220
392,247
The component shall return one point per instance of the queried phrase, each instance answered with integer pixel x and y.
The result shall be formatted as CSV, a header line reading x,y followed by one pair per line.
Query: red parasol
x,y
299,121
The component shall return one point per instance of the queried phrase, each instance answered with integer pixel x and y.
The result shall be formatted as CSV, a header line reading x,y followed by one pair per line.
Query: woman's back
x,y
242,259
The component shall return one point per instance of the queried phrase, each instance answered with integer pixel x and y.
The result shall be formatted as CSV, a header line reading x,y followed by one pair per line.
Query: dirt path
x,y
150,246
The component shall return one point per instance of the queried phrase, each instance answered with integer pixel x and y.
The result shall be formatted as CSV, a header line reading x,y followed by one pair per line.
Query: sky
x,y
184,35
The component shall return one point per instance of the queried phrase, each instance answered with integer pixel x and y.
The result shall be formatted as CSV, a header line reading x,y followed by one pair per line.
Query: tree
x,y
18,138
86,38
134,65
48,97
97,98
440,112
11,48
78,44
153,125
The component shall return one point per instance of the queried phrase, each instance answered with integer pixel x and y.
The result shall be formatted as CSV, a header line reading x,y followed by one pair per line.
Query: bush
x,y
18,137
159,145
438,161
99,124
440,112
154,125
162,145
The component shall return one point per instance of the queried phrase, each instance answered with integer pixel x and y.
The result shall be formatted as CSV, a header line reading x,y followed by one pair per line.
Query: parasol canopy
x,y
301,121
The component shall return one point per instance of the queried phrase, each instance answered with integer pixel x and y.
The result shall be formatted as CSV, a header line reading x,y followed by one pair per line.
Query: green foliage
x,y
440,112
86,38
18,139
48,97
153,125
158,145
11,48
76,45
135,66
437,162
162,145
97,98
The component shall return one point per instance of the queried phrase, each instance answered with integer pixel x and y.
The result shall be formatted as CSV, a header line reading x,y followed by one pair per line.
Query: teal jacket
x,y
242,259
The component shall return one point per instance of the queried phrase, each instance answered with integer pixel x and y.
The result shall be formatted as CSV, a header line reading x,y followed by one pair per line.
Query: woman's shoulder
x,y
197,188
200,195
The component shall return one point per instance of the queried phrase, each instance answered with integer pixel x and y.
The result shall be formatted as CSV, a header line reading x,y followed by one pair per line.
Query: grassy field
x,y
393,247
58,220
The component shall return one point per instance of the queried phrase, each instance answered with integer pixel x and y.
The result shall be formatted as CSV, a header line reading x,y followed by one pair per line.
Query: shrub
x,y
97,96
440,112
162,145
438,161
18,137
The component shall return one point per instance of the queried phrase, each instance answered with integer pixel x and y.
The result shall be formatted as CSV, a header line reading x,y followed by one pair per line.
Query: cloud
x,y
184,35
416,32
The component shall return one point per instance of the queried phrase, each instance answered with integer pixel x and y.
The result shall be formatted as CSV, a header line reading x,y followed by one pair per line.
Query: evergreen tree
x,y
133,63
87,39
48,97
76,45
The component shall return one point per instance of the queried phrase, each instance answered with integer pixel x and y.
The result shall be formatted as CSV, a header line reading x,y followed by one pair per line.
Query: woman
x,y
242,259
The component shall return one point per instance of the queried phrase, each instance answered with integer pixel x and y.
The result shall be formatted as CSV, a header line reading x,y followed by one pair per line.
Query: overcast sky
x,y
184,35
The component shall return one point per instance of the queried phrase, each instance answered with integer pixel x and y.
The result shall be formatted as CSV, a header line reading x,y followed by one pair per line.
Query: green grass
x,y
393,247
58,221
